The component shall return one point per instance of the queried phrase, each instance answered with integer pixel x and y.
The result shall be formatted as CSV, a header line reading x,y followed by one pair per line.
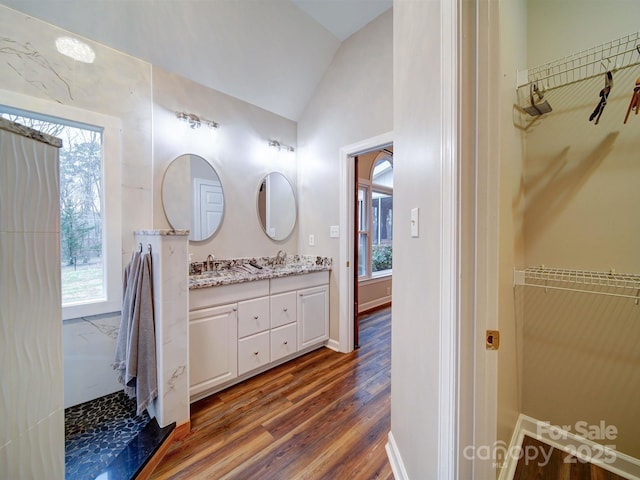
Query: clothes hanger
x,y
604,94
635,100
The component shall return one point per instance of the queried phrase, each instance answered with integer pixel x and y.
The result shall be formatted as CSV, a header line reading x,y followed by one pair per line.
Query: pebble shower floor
x,y
97,431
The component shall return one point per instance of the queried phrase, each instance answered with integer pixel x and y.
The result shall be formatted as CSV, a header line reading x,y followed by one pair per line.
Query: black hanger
x,y
604,94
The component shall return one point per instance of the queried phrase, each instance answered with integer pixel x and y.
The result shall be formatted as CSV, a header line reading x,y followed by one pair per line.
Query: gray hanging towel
x,y
136,347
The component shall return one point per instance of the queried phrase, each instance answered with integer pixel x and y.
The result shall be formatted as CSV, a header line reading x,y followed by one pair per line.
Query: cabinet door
x,y
283,309
283,341
253,316
313,316
253,352
213,347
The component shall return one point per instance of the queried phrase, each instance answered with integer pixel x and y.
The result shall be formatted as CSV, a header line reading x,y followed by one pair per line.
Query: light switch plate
x,y
312,240
334,231
415,222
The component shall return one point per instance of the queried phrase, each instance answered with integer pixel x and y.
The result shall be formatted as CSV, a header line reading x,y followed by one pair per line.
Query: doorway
x,y
347,273
373,232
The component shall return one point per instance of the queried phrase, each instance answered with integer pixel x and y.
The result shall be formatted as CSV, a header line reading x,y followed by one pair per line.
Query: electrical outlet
x,y
334,231
312,240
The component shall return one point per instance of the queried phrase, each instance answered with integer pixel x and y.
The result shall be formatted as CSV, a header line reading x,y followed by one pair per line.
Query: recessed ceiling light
x,y
76,49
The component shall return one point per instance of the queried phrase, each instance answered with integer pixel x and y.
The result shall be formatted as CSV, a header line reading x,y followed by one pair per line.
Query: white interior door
x,y
208,207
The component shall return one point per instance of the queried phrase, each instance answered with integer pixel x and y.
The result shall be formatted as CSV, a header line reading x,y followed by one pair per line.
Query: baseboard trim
x,y
176,434
333,345
607,458
397,467
374,304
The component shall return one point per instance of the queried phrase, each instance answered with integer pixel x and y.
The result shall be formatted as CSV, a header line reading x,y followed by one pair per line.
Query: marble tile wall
x,y
171,315
89,346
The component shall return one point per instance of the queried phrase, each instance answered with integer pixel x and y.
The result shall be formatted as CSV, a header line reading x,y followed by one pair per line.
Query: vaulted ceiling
x,y
271,53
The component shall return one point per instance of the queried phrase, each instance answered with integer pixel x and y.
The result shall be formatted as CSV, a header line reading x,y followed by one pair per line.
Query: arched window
x,y
375,222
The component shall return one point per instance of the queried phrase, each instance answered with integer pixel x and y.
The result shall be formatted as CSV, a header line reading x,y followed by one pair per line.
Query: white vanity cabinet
x,y
253,334
215,316
242,329
311,293
213,347
283,325
313,316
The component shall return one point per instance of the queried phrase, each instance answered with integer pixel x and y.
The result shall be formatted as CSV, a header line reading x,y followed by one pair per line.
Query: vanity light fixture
x,y
281,146
196,122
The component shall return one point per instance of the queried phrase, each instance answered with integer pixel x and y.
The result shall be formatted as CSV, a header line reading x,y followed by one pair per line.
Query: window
x,y
375,220
89,229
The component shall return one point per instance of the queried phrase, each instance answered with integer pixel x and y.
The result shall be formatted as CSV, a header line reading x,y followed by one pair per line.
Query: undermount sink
x,y
205,275
288,268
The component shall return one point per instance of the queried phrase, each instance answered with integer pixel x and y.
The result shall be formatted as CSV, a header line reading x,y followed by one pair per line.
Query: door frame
x,y
347,225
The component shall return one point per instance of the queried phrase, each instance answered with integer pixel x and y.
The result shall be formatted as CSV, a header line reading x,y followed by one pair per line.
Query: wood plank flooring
x,y
325,415
553,464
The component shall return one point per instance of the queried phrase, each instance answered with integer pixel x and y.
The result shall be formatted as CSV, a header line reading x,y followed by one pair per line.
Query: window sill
x,y
376,278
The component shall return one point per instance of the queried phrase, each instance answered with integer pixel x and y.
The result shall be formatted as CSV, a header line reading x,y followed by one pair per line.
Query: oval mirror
x,y
276,206
192,197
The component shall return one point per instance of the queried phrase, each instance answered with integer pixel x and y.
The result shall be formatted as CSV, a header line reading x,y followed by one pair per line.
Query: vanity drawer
x,y
298,282
253,352
253,316
225,294
283,341
283,309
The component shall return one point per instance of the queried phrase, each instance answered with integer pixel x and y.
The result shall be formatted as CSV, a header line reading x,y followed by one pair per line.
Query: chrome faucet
x,y
209,263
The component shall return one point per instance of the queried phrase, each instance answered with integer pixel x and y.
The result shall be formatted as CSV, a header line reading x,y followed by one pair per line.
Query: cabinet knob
x,y
255,317
284,309
235,309
256,353
285,342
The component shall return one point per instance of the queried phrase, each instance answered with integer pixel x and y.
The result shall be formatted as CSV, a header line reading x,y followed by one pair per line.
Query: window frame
x,y
111,201
370,187
386,191
366,186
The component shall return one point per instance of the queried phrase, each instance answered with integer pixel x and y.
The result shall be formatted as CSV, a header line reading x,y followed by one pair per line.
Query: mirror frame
x,y
175,219
292,198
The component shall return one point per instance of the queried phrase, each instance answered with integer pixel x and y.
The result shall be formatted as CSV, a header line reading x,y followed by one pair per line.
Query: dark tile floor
x,y
105,435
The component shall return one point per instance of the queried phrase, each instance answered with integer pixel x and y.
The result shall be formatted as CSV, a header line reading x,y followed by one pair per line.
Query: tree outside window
x,y
81,220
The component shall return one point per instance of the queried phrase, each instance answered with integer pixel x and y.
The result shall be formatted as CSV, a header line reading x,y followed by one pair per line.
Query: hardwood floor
x,y
548,463
325,415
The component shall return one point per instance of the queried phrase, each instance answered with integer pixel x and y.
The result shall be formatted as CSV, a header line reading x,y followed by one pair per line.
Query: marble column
x,y
171,311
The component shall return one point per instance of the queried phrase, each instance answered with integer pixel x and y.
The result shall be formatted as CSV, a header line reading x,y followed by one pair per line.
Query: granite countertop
x,y
227,272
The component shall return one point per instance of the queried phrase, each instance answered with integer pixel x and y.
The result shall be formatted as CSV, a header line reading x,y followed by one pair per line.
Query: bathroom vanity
x,y
244,320
246,315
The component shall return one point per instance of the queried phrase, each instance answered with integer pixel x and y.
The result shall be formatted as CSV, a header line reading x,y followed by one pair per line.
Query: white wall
x,y
418,173
353,102
239,153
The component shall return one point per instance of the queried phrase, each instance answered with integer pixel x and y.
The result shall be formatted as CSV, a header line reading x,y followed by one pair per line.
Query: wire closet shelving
x,y
618,54
625,285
